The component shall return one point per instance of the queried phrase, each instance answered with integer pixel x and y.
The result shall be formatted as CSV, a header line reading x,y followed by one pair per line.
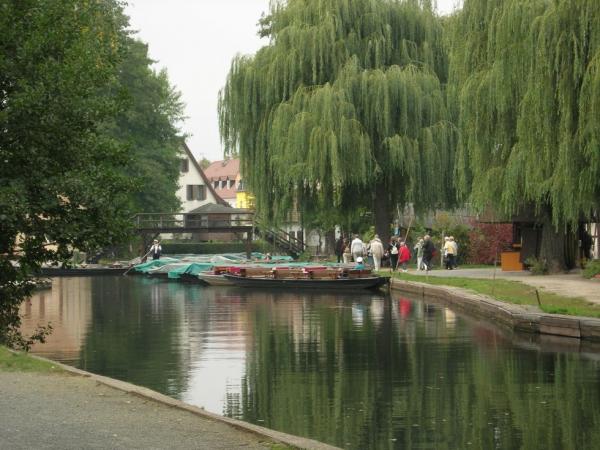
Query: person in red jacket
x,y
403,256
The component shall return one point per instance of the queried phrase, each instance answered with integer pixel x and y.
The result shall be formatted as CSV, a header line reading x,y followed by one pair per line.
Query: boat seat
x,y
256,272
324,274
289,273
357,273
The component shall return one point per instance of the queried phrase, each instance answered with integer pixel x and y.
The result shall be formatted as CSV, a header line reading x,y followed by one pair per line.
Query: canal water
x,y
359,370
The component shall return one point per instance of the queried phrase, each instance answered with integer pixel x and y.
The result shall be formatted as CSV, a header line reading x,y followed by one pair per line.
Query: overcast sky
x,y
195,40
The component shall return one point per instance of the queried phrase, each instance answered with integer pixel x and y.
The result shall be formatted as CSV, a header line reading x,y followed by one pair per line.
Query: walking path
x,y
569,285
67,411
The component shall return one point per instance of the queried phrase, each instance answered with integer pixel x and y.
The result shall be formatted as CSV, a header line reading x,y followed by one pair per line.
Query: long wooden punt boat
x,y
214,279
303,279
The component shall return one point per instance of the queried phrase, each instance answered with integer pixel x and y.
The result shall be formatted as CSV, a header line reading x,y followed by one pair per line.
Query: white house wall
x,y
192,177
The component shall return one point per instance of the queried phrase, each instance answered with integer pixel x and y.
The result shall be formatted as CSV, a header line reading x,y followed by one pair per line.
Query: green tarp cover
x,y
145,267
191,269
261,256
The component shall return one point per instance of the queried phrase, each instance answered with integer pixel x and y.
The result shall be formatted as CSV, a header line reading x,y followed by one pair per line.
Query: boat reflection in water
x,y
355,369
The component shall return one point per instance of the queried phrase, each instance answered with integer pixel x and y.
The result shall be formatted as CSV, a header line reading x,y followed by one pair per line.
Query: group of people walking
x,y
397,251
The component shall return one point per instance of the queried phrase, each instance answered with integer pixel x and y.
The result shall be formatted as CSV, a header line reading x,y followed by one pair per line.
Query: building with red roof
x,y
225,178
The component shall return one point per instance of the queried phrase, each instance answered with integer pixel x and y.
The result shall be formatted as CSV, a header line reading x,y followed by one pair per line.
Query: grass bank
x,y
22,362
513,292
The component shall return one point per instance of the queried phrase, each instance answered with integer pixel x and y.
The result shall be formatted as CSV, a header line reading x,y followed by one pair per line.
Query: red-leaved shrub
x,y
487,241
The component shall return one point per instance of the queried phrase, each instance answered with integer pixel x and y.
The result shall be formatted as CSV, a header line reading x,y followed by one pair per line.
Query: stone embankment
x,y
515,317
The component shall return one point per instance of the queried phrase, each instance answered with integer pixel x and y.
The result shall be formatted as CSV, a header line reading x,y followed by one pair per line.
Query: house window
x,y
216,184
223,184
196,192
231,183
184,165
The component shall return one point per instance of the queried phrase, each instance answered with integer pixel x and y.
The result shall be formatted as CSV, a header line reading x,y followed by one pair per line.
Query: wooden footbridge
x,y
239,224
192,223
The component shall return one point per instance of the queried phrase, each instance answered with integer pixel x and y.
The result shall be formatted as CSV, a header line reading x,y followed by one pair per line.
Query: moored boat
x,y
214,279
315,279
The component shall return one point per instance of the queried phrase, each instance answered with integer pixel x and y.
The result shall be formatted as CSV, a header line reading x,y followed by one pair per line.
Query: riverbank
x,y
506,304
557,294
50,405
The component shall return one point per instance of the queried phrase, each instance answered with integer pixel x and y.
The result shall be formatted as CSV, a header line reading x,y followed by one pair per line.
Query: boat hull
x,y
215,280
340,283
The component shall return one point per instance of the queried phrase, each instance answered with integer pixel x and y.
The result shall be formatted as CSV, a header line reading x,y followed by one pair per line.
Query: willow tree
x,y
526,79
344,108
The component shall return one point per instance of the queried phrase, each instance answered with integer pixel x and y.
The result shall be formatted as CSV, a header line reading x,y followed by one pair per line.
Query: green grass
x,y
22,362
477,266
513,292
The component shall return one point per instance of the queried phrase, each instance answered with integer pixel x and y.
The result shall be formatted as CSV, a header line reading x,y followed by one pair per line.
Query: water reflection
x,y
357,370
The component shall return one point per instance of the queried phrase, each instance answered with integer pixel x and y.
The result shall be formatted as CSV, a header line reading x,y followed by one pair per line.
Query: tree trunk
x,y
557,248
330,242
381,211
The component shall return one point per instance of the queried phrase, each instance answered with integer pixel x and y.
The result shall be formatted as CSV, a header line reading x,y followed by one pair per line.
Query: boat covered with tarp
x,y
189,271
144,268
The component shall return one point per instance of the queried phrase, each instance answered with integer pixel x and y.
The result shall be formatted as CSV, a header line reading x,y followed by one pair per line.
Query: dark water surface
x,y
359,370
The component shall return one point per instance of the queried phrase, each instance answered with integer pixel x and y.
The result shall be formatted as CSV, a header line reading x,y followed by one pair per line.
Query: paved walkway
x,y
72,412
569,285
73,409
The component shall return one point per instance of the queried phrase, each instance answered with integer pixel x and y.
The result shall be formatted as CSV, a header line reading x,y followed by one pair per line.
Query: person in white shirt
x,y
156,249
356,247
376,248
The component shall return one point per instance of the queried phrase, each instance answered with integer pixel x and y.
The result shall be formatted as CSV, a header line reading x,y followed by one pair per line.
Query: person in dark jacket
x,y
339,248
428,252
392,251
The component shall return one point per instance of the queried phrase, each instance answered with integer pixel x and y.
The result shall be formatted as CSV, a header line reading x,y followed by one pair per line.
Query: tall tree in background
x,y
344,108
526,79
60,177
147,127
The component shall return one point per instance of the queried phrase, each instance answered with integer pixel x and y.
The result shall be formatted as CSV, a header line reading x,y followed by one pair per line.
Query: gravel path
x,y
569,285
63,411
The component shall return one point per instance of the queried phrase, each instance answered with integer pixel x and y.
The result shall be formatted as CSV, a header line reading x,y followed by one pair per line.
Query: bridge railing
x,y
192,221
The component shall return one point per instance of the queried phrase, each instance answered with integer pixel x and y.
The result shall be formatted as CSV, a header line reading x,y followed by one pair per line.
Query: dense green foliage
x,y
75,91
525,80
147,128
592,269
344,108
60,183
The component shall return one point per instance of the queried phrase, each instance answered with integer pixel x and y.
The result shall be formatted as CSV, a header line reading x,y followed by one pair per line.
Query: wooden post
x,y
248,244
494,277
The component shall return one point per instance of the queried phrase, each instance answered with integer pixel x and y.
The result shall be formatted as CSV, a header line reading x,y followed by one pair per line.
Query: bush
x,y
537,266
592,268
487,241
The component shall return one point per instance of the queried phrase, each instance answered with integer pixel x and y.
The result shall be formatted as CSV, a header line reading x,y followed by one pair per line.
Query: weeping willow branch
x,y
347,93
526,81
